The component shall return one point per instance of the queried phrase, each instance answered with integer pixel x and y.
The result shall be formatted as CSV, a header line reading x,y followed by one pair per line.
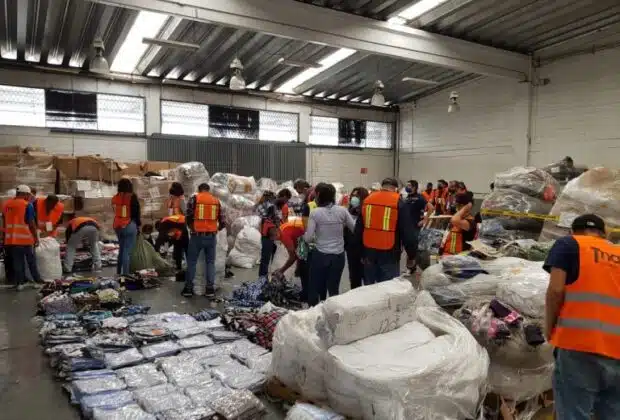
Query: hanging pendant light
x,y
454,105
99,64
377,98
237,82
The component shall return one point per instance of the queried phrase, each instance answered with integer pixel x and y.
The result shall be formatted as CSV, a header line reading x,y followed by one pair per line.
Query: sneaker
x,y
20,287
210,292
187,293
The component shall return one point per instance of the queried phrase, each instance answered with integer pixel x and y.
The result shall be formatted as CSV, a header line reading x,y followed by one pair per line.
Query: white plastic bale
x,y
240,223
267,184
526,291
48,259
366,311
520,384
191,175
298,354
247,248
458,292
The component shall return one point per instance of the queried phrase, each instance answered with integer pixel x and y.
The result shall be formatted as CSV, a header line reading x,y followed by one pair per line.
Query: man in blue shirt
x,y
415,205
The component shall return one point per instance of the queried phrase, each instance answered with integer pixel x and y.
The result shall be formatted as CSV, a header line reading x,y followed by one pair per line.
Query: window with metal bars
x,y
184,118
120,113
22,106
328,131
278,126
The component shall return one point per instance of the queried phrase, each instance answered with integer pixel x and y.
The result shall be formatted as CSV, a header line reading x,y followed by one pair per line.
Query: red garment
x,y
289,234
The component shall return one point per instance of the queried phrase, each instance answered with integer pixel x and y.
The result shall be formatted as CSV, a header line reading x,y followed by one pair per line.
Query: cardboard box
x,y
92,167
38,157
67,166
90,189
42,180
150,187
157,166
68,203
131,169
10,156
93,207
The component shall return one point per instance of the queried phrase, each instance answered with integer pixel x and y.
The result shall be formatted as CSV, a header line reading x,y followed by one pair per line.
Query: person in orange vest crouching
x,y
126,223
82,230
204,219
48,212
290,233
583,322
385,231
462,226
20,236
176,202
173,230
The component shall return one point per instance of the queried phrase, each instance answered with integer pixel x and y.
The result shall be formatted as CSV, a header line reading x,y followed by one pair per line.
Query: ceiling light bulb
x,y
454,107
377,98
99,64
237,82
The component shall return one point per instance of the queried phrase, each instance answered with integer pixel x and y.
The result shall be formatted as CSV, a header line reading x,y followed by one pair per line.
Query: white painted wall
x,y
341,165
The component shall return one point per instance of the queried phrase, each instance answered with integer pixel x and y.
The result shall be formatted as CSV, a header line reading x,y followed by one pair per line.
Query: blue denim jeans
x,y
266,255
586,384
20,256
126,241
198,243
325,273
380,266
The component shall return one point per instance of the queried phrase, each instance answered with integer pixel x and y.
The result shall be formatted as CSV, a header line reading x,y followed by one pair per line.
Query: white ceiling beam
x,y
296,20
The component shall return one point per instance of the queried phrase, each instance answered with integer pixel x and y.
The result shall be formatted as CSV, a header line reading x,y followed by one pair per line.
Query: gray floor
x,y
28,389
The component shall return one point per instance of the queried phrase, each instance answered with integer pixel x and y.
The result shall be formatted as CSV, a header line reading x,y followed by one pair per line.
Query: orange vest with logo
x,y
589,319
380,215
173,204
121,203
206,213
76,222
44,218
16,231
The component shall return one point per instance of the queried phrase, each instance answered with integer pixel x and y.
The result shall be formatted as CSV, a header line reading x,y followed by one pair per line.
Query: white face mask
x,y
355,202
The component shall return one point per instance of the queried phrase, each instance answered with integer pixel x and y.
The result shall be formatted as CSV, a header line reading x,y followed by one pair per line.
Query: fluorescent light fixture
x,y
307,93
344,98
265,88
76,61
419,8
52,59
173,74
329,61
207,79
191,76
397,20
252,85
153,73
8,54
171,44
297,63
33,57
222,81
357,99
366,101
420,81
147,24
334,96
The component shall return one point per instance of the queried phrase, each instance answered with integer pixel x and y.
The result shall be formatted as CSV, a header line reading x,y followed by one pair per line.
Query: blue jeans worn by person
x,y
201,242
266,255
126,241
586,384
20,255
325,273
380,266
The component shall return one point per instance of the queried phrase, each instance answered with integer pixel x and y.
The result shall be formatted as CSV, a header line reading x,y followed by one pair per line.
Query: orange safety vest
x,y
177,218
121,203
428,196
76,222
16,231
206,213
52,218
380,215
453,242
173,204
295,222
589,318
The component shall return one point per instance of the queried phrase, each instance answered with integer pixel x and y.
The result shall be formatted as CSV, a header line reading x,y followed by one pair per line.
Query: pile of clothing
x,y
142,279
71,295
528,249
258,325
278,291
83,259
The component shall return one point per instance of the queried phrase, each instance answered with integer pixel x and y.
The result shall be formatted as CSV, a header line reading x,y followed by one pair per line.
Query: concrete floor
x,y
28,389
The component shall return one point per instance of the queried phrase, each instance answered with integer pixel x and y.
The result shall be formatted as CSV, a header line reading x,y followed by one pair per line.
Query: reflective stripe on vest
x,y
588,320
206,213
16,231
122,210
52,218
380,216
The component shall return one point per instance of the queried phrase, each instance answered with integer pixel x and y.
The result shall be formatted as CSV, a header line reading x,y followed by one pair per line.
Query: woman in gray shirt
x,y
325,227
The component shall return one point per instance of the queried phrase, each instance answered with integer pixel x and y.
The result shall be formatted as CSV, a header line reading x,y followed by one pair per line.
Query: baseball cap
x,y
390,181
588,221
24,189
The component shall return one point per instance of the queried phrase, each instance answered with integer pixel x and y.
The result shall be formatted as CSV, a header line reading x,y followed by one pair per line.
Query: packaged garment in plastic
x,y
163,349
191,413
237,376
195,342
459,292
180,367
214,350
108,342
194,380
305,411
142,376
161,398
92,374
299,354
519,205
48,259
366,311
217,360
245,350
461,267
57,303
84,387
221,336
106,401
247,248
128,412
530,181
261,364
239,405
150,334
206,393
125,358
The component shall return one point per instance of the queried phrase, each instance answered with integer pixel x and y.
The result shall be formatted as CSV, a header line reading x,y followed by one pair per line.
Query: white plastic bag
x,y
526,291
247,248
48,259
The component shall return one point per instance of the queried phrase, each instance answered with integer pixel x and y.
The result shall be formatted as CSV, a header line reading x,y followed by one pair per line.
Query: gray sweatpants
x,y
90,235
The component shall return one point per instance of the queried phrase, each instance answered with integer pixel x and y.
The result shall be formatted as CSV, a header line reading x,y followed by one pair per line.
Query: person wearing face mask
x,y
351,246
416,206
462,226
385,230
428,192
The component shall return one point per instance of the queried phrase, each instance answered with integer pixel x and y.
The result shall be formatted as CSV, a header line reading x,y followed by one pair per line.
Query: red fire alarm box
x,y
363,171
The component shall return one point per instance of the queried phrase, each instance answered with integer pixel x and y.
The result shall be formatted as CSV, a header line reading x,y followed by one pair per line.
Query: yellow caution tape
x,y
535,216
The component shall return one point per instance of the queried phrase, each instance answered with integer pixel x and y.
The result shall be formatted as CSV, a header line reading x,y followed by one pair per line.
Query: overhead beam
x,y
296,20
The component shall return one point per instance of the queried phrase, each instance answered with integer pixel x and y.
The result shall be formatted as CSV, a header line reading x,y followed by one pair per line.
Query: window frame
x,y
161,118
362,146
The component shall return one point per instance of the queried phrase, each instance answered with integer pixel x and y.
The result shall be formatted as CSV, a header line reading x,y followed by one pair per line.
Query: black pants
x,y
180,247
303,272
325,276
9,271
356,268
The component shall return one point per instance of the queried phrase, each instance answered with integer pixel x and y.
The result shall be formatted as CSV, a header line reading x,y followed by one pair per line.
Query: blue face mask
x,y
409,190
355,202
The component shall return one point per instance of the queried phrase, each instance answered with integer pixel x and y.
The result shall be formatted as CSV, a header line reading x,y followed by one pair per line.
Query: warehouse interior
x,y
442,89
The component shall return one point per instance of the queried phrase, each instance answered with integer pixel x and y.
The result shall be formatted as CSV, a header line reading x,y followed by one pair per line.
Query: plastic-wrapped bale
x,y
563,172
191,175
305,411
48,259
502,200
596,191
299,354
530,181
236,184
240,223
526,291
220,191
429,368
520,384
267,184
247,248
528,249
366,311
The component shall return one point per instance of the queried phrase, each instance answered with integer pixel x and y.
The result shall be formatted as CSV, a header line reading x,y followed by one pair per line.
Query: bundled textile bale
x,y
191,175
48,259
526,291
267,184
529,181
236,184
240,223
596,191
247,248
507,200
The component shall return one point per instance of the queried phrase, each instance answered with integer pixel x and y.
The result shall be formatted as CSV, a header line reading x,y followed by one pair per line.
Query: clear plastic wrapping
x,y
239,405
162,398
214,350
206,393
261,364
457,293
190,413
246,251
195,342
194,380
163,349
106,400
519,384
502,200
142,376
530,181
526,291
250,221
128,412
191,175
267,184
237,376
217,360
84,387
221,336
366,311
245,350
180,367
305,411
125,358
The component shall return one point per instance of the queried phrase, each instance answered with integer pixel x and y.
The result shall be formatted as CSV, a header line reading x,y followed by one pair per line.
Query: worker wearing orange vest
x,y
20,235
583,321
462,226
176,202
204,218
173,230
384,232
49,215
126,223
80,231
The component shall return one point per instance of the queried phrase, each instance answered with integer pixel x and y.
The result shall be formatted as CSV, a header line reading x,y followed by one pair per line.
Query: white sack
x,y
526,291
459,292
298,354
507,267
48,259
247,248
366,311
238,225
434,276
519,384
